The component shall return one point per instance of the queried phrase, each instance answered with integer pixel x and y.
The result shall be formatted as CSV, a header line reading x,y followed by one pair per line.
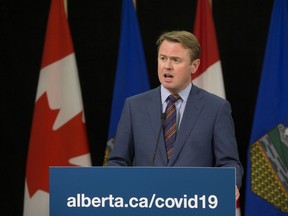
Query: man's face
x,y
175,68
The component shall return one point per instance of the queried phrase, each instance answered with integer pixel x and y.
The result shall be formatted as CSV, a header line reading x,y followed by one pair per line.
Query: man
x,y
196,129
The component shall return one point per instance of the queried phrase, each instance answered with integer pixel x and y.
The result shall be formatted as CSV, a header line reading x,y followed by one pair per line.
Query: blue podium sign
x,y
141,191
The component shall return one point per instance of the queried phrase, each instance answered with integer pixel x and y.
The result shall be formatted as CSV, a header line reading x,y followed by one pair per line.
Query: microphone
x,y
163,117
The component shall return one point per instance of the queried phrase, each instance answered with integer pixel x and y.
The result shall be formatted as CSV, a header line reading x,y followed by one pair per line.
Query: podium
x,y
142,191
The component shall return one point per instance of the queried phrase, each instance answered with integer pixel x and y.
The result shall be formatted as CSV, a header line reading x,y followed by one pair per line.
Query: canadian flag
x,y
58,134
209,75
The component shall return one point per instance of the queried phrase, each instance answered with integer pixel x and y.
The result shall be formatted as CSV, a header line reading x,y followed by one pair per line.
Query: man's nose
x,y
168,64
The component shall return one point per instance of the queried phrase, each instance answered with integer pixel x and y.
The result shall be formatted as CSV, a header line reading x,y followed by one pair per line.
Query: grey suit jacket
x,y
205,137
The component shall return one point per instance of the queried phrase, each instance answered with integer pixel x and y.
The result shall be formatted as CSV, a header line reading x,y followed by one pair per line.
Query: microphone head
x,y
163,116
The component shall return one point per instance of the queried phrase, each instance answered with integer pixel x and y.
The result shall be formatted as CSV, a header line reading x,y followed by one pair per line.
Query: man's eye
x,y
163,58
177,60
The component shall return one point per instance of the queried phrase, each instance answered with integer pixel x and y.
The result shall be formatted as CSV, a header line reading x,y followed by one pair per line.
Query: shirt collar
x,y
183,94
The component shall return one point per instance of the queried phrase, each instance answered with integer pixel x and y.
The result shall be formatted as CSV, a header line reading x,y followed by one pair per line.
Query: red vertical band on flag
x,y
204,30
58,41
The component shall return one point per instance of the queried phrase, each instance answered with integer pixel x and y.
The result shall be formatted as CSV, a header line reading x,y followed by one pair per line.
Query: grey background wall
x,y
241,27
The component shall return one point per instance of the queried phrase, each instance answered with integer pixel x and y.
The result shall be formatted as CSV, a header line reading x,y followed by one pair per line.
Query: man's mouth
x,y
168,76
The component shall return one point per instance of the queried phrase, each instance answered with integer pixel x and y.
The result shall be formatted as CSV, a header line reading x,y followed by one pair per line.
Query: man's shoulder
x,y
145,95
207,96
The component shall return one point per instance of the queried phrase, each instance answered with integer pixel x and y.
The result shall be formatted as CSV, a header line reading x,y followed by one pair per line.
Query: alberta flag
x,y
58,134
267,165
131,74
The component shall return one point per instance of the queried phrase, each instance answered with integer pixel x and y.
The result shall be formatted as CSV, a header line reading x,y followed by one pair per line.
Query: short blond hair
x,y
187,39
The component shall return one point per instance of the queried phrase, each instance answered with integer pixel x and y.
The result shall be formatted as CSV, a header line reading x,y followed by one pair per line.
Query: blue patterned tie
x,y
169,125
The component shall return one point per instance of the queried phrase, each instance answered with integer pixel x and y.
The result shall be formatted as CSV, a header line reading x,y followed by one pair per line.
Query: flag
x,y
131,73
209,74
267,164
58,134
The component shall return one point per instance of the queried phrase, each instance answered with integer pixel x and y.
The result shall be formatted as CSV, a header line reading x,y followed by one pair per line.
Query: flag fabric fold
x,y
209,75
58,133
267,164
131,73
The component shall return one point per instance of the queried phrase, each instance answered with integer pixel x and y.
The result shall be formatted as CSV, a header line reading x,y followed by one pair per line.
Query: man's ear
x,y
195,65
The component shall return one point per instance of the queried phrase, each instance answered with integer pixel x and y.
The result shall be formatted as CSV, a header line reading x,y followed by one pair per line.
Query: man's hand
x,y
237,193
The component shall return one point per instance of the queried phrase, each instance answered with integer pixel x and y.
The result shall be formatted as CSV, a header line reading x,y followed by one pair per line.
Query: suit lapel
x,y
191,113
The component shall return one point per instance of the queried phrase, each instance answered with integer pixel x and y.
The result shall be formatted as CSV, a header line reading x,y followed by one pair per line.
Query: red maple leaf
x,y
50,147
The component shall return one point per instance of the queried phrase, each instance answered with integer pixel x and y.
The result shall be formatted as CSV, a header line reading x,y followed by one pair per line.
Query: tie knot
x,y
173,98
